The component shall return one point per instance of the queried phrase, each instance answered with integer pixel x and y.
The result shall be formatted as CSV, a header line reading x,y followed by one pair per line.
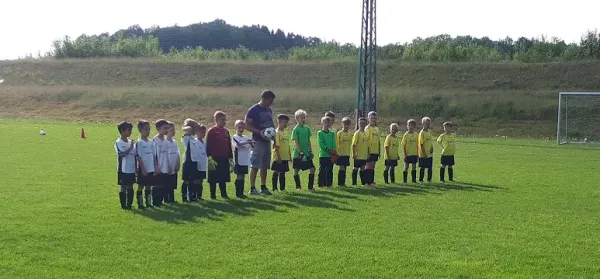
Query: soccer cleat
x,y
122,197
254,192
225,197
265,192
241,196
299,188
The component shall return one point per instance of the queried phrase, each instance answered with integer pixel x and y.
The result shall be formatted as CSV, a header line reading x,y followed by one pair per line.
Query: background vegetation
x,y
218,40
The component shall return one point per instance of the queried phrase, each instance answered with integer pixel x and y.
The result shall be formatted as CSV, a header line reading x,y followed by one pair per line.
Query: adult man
x,y
258,118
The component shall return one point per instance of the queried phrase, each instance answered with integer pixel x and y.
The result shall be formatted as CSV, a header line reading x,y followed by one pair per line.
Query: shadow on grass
x,y
332,199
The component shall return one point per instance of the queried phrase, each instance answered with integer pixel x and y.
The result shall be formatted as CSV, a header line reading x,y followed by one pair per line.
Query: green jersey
x,y
301,134
326,141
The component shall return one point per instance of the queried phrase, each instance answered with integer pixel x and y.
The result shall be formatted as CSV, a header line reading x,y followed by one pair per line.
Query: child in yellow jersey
x,y
447,141
344,145
425,150
281,153
374,136
360,151
391,154
410,147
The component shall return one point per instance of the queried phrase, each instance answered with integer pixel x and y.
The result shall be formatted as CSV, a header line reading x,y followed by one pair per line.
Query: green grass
x,y
521,209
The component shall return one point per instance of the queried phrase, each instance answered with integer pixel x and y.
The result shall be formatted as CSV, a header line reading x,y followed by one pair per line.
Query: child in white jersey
x,y
125,150
242,146
146,153
174,164
161,162
194,164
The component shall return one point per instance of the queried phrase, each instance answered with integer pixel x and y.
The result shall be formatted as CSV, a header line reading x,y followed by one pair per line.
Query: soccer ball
x,y
42,133
269,133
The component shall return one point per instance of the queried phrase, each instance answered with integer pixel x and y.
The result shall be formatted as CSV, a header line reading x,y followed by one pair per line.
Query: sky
x,y
30,26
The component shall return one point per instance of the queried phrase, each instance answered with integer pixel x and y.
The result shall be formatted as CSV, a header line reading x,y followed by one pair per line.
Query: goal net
x,y
578,117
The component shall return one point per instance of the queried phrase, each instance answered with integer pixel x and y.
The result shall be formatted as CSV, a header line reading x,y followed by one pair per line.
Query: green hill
x,y
512,99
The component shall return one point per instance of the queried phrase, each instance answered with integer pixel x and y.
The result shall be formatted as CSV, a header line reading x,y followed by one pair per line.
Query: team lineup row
x,y
213,154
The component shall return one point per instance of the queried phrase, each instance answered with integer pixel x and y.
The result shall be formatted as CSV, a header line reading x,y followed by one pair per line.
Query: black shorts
x,y
221,173
171,181
161,180
190,172
448,160
359,163
125,179
373,158
299,164
343,161
426,162
240,169
391,163
147,180
283,166
411,159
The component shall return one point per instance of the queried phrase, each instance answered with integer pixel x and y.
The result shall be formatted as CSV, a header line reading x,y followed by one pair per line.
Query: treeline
x,y
218,40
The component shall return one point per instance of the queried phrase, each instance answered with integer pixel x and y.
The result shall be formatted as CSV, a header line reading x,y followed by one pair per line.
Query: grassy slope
x,y
484,98
510,217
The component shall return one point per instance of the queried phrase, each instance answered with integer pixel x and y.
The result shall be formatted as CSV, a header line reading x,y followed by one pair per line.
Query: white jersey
x,y
173,154
194,145
125,161
241,152
146,152
162,153
202,156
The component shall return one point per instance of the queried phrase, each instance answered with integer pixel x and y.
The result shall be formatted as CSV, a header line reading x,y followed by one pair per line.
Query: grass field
x,y
520,209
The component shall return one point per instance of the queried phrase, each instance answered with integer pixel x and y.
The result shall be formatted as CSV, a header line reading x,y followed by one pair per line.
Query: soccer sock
x,y
140,199
311,180
385,176
372,176
239,187
429,174
147,193
421,174
451,174
184,191
198,189
330,177
413,175
321,178
392,175
442,174
405,176
223,189
213,190
363,175
122,199
275,180
297,180
341,178
129,197
282,181
354,176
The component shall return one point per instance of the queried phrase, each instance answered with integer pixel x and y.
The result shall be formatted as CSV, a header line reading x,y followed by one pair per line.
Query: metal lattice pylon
x,y
367,61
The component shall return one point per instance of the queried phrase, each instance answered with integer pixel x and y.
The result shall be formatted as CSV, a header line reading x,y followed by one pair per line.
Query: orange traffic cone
x,y
82,133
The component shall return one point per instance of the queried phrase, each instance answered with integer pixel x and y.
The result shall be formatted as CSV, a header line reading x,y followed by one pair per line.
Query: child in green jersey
x,y
327,149
302,152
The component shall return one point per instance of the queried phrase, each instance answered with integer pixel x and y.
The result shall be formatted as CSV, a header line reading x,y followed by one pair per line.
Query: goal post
x,y
578,117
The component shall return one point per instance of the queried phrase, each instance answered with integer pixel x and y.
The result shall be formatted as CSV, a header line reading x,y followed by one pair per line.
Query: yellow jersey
x,y
448,143
374,136
410,144
391,142
344,143
282,140
425,142
361,142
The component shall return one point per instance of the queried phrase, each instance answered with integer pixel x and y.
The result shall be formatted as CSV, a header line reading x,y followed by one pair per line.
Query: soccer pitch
x,y
519,209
